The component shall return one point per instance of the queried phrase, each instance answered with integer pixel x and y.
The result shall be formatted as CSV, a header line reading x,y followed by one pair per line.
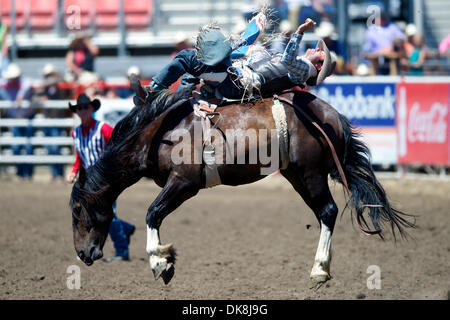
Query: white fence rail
x,y
39,141
112,110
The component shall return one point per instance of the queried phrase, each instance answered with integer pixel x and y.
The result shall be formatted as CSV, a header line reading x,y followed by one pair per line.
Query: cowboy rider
x,y
212,59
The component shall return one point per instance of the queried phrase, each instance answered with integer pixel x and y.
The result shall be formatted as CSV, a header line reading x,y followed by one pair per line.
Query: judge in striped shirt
x,y
90,139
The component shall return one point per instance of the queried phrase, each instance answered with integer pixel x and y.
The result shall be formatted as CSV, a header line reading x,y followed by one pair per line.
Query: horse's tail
x,y
366,191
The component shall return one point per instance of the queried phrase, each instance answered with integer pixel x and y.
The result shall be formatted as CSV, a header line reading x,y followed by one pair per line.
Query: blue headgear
x,y
212,47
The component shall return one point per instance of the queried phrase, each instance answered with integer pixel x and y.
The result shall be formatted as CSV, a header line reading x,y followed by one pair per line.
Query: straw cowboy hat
x,y
328,65
134,70
13,71
411,30
49,69
83,99
286,27
86,78
181,37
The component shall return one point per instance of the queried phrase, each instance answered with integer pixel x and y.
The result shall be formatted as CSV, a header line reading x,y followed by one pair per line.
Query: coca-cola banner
x,y
422,123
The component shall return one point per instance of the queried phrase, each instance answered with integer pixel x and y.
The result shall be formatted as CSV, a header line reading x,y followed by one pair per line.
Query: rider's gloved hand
x,y
152,89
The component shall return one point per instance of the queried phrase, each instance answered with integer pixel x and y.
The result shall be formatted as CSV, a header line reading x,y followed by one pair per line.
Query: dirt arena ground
x,y
248,242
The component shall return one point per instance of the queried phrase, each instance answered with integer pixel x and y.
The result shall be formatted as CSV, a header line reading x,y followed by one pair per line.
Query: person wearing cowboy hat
x,y
90,139
314,66
49,90
212,62
327,32
16,89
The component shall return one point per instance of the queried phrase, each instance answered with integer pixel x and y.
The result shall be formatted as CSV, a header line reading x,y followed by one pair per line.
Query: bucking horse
x,y
315,142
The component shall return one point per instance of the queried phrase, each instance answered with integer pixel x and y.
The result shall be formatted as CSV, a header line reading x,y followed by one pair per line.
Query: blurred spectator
x,y
279,44
317,10
362,70
17,90
294,7
127,92
49,86
410,32
250,8
49,91
80,56
181,42
3,47
379,45
89,81
444,46
279,11
417,57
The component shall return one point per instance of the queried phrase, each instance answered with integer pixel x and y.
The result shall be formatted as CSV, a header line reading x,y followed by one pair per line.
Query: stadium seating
x,y
43,14
84,7
22,10
138,14
107,14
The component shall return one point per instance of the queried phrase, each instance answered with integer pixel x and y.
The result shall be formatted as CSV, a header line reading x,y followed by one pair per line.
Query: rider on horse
x,y
233,70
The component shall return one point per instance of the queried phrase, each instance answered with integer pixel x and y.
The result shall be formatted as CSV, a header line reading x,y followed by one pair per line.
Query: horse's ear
x,y
82,176
136,86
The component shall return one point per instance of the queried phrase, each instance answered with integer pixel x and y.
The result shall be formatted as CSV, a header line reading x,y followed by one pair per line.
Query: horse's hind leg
x,y
162,257
313,187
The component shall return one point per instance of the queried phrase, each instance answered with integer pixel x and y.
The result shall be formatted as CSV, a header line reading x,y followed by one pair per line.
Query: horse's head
x,y
91,217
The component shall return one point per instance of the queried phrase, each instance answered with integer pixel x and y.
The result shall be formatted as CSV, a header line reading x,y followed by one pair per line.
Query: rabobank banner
x,y
364,104
370,106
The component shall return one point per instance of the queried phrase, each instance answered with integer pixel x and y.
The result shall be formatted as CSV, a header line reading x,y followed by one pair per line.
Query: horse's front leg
x,y
175,192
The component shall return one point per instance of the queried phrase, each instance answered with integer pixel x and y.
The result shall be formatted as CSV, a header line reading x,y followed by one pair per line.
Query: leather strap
x,y
336,161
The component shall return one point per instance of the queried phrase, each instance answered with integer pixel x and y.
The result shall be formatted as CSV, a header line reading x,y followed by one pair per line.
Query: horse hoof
x,y
319,280
158,266
167,274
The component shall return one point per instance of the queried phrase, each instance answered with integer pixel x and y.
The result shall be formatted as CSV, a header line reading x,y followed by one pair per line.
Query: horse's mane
x,y
140,117
106,169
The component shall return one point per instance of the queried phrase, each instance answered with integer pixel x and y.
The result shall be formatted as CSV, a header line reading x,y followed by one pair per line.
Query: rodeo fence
x,y
404,120
112,111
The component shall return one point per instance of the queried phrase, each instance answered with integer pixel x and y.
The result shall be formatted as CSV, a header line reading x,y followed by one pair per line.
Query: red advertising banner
x,y
423,123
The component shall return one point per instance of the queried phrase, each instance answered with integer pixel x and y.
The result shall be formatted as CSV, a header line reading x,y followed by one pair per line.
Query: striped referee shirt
x,y
90,142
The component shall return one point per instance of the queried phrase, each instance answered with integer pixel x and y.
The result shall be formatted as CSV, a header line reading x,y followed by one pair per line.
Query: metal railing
x,y
7,141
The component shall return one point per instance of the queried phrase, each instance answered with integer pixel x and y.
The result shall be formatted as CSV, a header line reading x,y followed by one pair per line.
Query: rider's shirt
x,y
299,68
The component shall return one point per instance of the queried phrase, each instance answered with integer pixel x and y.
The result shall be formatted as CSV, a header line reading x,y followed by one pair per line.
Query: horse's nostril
x,y
81,254
88,261
91,252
